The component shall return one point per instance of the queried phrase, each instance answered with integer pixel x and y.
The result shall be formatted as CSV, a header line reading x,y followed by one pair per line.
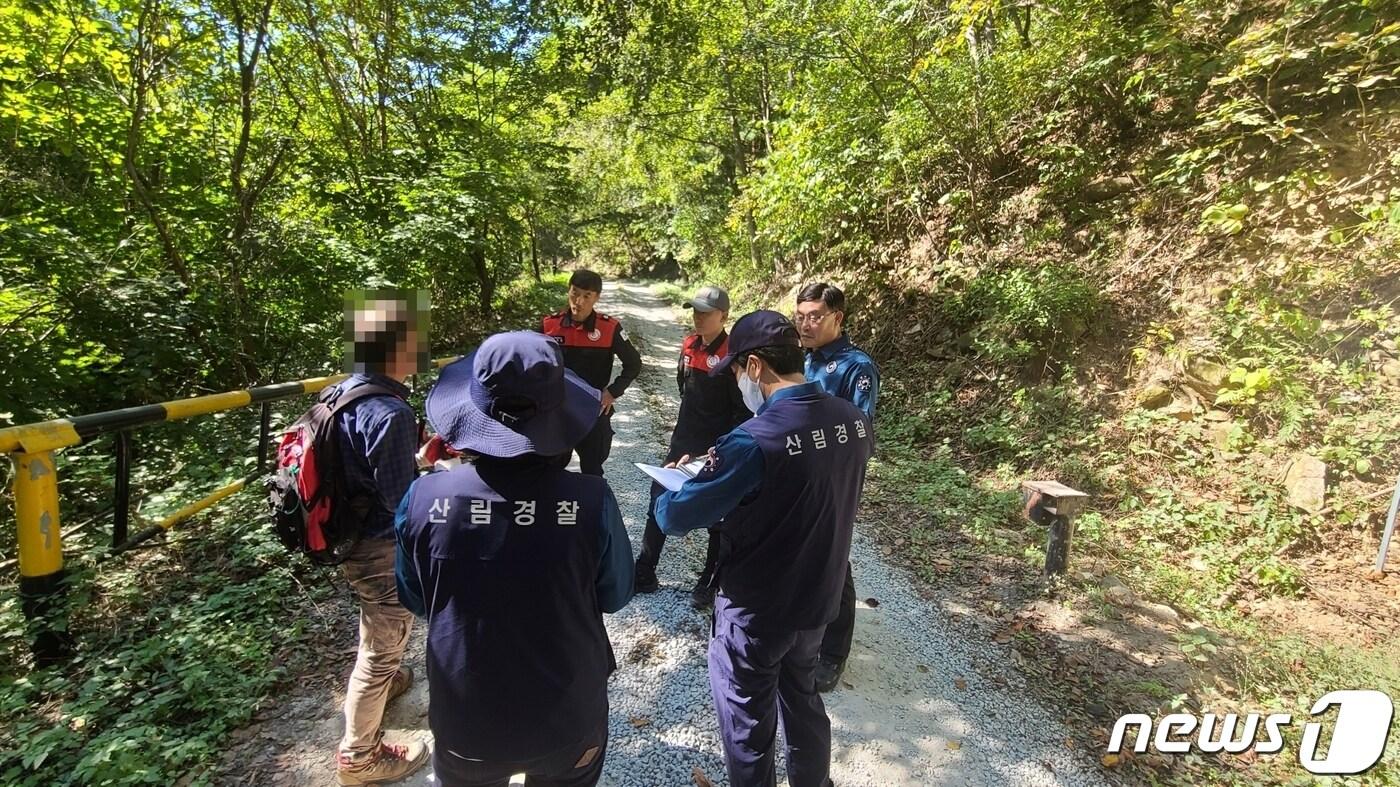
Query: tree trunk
x,y
534,253
483,272
741,169
144,74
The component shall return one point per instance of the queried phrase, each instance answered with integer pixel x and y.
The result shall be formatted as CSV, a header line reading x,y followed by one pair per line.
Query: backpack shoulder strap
x,y
346,398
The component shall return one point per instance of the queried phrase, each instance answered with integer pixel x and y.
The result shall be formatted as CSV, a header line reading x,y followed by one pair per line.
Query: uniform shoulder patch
x,y
712,462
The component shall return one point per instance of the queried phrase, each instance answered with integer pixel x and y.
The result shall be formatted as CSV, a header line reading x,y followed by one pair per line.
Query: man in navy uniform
x,y
843,370
591,340
786,485
512,560
710,407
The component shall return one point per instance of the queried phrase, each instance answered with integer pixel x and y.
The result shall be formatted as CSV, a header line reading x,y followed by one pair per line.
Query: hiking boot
x,y
389,764
828,673
702,598
645,581
403,681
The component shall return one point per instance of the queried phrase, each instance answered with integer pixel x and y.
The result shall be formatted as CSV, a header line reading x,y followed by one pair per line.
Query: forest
x,y
1150,248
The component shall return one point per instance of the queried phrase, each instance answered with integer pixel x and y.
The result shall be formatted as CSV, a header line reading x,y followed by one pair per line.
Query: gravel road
x,y
924,701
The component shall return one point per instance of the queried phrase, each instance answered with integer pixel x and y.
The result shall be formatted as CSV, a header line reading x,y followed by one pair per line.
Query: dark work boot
x,y
702,598
645,581
828,673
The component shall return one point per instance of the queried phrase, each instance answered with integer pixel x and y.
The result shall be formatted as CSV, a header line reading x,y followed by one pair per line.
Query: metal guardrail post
x,y
121,489
31,448
41,574
264,435
1389,527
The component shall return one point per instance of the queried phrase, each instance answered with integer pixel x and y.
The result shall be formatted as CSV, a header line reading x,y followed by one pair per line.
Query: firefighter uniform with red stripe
x,y
589,349
710,408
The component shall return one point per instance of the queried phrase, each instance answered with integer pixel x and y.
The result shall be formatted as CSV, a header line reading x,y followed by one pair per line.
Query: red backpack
x,y
311,513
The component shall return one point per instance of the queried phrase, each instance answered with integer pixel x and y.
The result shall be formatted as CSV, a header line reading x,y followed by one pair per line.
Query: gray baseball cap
x,y
709,299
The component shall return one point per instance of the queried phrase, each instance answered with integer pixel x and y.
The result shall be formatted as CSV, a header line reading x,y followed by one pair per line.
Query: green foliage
x,y
1268,76
1017,313
1246,386
162,236
953,500
1222,219
203,636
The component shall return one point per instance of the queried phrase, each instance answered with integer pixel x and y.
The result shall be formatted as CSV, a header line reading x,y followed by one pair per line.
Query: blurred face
x,y
817,325
406,360
581,303
709,323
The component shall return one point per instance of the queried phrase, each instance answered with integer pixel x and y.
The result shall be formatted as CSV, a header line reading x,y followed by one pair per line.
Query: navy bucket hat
x,y
512,397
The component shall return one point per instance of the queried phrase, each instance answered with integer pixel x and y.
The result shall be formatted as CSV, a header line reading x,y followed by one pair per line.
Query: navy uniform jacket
x,y
589,348
710,406
843,369
786,484
513,562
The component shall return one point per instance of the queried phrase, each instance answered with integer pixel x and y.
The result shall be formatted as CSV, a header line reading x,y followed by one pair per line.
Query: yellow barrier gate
x,y
31,448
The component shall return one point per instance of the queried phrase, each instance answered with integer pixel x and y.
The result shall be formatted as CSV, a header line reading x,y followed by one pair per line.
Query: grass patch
x,y
176,649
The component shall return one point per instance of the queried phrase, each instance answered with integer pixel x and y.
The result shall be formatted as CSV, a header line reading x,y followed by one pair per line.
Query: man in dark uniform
x,y
710,407
590,340
512,560
786,485
844,370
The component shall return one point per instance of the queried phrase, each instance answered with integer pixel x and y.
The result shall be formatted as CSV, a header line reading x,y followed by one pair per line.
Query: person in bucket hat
x,y
512,559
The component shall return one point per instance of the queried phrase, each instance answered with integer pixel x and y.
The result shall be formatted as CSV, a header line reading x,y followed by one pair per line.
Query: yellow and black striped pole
x,y
40,554
31,448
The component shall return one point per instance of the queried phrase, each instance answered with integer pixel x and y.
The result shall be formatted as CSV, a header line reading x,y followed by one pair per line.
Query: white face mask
x,y
753,395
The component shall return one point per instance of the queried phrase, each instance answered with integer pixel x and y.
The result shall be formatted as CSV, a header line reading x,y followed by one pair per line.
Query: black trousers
x,y
578,765
653,540
836,642
595,446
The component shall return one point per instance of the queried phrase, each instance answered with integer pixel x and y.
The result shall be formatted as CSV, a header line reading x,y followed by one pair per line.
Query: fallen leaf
x,y
922,668
698,776
640,721
872,602
954,745
960,683
1110,760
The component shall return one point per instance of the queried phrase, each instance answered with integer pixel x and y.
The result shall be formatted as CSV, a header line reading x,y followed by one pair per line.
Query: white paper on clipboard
x,y
672,477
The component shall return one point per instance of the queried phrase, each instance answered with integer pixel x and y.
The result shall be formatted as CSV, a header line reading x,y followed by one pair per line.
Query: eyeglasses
x,y
814,318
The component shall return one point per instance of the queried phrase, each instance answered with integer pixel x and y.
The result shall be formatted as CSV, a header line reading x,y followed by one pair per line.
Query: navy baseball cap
x,y
763,328
512,397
